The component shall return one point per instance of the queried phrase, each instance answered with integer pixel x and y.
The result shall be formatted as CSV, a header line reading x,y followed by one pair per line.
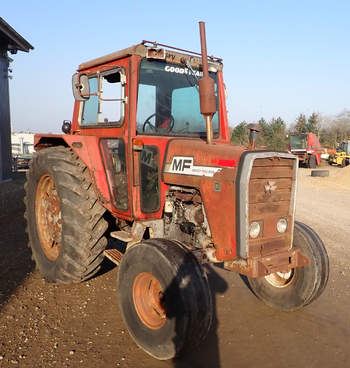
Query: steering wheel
x,y
169,128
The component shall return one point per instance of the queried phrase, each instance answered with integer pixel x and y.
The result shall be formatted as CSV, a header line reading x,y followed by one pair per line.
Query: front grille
x,y
270,193
266,186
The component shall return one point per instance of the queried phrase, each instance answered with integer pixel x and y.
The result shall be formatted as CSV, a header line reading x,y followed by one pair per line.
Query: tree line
x,y
274,133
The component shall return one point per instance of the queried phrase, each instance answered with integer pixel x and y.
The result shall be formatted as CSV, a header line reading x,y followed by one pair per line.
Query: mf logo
x,y
185,166
181,164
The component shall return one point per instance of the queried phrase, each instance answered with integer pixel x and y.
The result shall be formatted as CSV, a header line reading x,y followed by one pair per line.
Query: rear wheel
x,y
345,162
312,162
164,297
65,223
302,285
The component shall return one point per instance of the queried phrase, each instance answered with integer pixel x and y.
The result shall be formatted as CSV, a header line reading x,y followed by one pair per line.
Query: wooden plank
x,y
275,196
271,173
259,210
258,185
273,161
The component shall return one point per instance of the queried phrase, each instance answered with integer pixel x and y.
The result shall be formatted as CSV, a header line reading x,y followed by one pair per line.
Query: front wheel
x,y
302,285
164,297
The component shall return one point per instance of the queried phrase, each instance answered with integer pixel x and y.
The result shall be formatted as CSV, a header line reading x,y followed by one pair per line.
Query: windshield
x,y
298,141
168,101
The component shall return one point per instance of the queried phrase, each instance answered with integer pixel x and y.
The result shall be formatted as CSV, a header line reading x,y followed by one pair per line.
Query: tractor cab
x,y
344,147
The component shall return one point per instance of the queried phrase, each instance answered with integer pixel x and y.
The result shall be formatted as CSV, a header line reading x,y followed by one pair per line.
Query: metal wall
x,y
5,127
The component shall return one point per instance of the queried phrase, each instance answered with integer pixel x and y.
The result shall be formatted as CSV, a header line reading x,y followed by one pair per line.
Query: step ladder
x,y
113,255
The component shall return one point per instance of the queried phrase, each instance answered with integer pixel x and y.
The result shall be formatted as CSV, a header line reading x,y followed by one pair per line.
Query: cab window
x,y
106,104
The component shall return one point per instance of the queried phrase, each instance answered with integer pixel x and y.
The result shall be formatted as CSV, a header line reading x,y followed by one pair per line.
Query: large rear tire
x,y
164,297
302,285
312,162
65,223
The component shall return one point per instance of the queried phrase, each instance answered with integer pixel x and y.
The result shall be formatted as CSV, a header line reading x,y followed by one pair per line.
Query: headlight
x,y
254,230
282,225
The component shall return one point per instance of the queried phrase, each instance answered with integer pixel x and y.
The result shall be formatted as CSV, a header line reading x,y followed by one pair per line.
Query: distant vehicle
x,y
307,147
21,162
342,156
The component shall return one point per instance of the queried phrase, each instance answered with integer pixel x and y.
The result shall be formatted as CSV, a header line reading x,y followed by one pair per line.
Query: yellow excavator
x,y
342,156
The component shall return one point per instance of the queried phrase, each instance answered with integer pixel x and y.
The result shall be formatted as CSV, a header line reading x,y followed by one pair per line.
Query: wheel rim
x,y
149,300
281,279
48,217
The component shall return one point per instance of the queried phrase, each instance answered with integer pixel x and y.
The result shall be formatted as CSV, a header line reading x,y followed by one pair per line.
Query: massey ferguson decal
x,y
184,165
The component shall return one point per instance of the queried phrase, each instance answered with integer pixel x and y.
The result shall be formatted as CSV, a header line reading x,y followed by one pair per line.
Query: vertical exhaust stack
x,y
206,88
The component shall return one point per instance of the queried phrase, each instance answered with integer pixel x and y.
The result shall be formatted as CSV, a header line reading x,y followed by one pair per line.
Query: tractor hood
x,y
212,168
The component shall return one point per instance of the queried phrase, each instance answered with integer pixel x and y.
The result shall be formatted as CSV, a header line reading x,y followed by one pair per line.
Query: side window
x,y
149,174
113,151
106,104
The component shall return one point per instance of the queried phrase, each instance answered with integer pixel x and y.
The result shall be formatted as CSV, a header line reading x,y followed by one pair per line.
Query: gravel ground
x,y
46,325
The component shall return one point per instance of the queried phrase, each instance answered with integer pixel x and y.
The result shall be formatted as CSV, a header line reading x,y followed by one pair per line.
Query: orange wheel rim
x,y
48,217
281,279
148,300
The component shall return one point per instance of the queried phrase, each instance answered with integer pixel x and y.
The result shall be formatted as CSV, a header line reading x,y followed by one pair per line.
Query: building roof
x,y
11,40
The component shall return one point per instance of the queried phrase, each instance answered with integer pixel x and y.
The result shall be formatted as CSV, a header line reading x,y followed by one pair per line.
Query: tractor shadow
x,y
206,355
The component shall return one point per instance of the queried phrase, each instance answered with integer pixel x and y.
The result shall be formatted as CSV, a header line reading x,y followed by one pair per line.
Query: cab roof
x,y
144,51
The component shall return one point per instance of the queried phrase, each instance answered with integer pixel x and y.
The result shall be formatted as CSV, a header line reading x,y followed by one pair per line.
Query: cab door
x,y
105,115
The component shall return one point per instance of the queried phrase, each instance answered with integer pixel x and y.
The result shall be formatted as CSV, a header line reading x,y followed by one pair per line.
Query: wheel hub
x,y
48,217
149,300
280,279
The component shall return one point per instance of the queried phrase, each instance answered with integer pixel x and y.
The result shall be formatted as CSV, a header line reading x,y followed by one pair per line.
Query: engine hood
x,y
197,159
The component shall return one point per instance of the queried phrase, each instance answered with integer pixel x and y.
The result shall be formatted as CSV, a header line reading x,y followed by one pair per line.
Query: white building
x,y
22,143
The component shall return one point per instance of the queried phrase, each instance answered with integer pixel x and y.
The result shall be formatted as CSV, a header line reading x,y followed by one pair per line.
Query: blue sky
x,y
280,57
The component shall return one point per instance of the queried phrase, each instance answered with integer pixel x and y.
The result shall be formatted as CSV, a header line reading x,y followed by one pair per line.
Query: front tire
x,y
65,223
164,297
302,285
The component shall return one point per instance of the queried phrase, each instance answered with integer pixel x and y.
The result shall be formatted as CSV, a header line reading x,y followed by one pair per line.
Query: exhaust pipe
x,y
206,88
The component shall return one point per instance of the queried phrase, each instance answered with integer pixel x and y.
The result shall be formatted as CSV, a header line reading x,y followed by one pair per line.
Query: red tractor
x,y
307,147
147,159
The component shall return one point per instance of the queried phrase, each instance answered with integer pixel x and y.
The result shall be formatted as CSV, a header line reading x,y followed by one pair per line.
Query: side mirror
x,y
81,87
66,126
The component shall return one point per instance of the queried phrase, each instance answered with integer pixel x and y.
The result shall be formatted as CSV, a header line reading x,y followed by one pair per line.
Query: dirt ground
x,y
45,325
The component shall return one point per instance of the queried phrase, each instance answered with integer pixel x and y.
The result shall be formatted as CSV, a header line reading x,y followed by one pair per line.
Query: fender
x,y
87,149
